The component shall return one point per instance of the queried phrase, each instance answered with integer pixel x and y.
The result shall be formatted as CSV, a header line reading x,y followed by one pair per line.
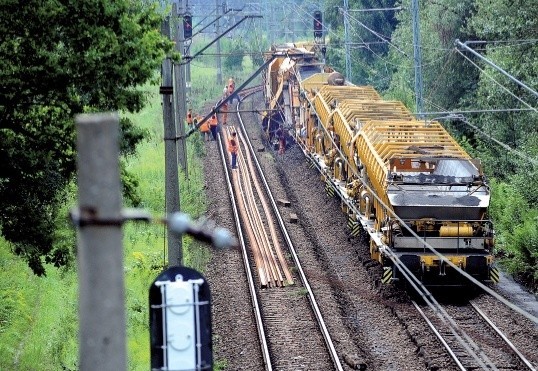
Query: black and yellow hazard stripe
x,y
494,274
387,275
329,188
312,164
356,231
353,226
351,222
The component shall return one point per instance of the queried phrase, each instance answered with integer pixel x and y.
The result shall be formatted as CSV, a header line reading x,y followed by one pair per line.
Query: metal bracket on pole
x,y
215,20
179,223
166,90
204,230
87,216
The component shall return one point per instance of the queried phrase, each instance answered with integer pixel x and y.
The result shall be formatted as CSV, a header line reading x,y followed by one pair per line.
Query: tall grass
x,y
145,245
39,315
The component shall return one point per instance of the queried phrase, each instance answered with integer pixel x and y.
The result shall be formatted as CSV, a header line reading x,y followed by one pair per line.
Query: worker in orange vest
x,y
189,117
204,130
233,147
213,125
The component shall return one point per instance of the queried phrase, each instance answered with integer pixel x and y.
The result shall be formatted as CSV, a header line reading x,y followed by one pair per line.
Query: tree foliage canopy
x,y
60,58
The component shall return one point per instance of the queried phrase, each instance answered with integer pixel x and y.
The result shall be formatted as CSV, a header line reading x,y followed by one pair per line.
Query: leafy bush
x,y
522,250
507,207
517,232
234,60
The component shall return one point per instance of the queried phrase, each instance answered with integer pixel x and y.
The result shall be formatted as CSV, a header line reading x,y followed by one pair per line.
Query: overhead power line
x,y
493,110
532,160
374,9
463,45
498,83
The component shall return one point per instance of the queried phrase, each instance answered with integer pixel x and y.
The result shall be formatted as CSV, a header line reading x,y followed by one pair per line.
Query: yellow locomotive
x,y
406,182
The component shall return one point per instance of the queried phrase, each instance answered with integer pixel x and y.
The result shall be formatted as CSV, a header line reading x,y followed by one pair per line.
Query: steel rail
x,y
489,364
262,245
250,277
267,241
300,272
502,336
440,337
277,248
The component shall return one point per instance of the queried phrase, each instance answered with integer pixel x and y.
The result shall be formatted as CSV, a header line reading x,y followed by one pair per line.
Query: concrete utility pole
x,y
219,66
100,247
186,52
180,96
175,253
346,40
417,59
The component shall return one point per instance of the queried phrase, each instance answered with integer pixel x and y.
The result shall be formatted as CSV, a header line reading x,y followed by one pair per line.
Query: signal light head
x,y
318,24
187,26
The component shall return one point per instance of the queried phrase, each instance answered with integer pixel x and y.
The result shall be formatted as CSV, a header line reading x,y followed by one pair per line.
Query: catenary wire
x,y
497,83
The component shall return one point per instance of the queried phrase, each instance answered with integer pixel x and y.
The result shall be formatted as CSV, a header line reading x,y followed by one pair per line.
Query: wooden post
x,y
100,251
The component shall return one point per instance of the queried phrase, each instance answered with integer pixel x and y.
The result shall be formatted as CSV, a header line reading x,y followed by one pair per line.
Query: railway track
x,y
257,217
472,340
371,327
291,328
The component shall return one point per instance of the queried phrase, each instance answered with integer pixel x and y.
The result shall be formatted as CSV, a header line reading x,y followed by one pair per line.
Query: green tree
x,y
258,45
510,28
369,35
234,60
447,81
59,58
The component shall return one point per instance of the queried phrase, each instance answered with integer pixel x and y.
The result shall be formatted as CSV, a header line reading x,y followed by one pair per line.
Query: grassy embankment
x,y
39,316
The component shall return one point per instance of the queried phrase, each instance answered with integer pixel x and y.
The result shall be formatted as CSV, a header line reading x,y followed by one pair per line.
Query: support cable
x,y
496,82
463,45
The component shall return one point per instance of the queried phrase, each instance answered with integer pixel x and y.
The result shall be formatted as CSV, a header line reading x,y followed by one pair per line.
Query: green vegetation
x,y
60,59
300,292
144,244
44,310
38,317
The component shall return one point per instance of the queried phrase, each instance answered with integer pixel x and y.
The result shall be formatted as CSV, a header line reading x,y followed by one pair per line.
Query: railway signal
x,y
187,26
318,24
180,321
180,305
